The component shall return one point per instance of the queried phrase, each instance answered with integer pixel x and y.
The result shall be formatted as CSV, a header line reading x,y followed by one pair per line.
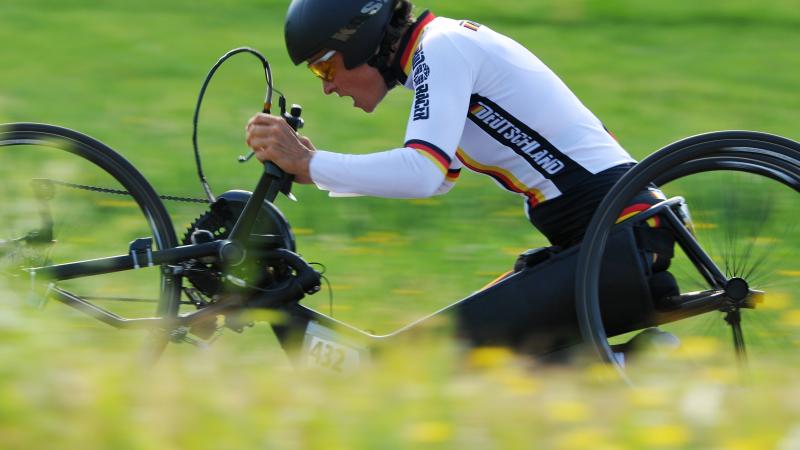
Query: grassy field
x,y
127,73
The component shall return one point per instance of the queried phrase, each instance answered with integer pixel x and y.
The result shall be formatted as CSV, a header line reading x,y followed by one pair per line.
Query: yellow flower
x,y
430,432
699,347
757,443
517,382
722,375
791,318
776,301
649,397
584,438
665,435
568,411
602,373
487,357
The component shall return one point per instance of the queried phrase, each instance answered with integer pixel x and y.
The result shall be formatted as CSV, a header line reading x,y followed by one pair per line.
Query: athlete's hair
x,y
401,21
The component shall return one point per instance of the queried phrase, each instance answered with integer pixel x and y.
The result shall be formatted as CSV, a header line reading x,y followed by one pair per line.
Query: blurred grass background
x,y
127,73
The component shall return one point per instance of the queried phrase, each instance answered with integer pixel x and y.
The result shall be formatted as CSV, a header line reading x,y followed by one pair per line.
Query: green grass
x,y
128,73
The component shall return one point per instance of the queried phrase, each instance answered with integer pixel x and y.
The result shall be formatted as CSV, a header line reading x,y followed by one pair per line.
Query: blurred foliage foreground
x,y
66,385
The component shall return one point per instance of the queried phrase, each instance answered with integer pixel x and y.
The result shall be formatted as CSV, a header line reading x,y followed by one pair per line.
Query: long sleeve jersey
x,y
481,101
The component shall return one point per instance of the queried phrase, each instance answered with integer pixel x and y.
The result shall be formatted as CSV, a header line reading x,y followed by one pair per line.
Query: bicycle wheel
x,y
735,273
68,197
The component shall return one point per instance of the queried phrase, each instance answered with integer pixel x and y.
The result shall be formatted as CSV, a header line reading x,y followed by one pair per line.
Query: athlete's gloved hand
x,y
272,139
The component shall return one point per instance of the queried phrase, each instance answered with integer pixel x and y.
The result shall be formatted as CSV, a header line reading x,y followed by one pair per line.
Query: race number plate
x,y
325,349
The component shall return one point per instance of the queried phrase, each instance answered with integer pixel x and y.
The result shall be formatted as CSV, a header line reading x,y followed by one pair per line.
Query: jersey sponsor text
x,y
420,72
513,136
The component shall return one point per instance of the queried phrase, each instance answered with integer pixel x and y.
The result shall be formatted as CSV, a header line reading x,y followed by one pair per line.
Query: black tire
x,y
772,163
83,160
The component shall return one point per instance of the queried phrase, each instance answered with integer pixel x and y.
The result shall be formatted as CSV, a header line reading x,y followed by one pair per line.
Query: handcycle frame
x,y
506,313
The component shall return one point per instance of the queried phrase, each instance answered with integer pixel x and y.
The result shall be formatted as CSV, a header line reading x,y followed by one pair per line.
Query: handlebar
x,y
273,180
282,181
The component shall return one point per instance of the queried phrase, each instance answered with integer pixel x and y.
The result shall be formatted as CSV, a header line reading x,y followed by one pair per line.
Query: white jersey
x,y
483,101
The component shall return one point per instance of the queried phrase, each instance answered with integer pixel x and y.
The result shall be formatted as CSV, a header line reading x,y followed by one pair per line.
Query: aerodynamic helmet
x,y
354,28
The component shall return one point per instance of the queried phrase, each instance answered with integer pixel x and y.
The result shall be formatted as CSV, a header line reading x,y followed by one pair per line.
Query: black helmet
x,y
355,28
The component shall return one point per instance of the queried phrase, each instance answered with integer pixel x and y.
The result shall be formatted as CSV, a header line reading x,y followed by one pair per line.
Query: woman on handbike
x,y
481,101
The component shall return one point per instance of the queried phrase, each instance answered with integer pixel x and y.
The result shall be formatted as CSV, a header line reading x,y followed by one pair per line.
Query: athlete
x,y
481,101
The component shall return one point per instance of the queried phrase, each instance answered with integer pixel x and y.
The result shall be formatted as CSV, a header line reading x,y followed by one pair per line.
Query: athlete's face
x,y
364,84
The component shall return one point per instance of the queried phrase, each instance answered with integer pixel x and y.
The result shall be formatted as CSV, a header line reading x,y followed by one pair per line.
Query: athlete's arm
x,y
398,173
426,166
443,79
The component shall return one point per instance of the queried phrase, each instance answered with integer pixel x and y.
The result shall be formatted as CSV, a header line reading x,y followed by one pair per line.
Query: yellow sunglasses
x,y
323,66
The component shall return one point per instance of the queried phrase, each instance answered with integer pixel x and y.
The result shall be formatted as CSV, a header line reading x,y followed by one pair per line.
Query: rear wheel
x,y
67,198
740,188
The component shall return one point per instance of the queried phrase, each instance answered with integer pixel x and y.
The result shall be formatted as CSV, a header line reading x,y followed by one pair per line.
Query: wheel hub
x,y
737,289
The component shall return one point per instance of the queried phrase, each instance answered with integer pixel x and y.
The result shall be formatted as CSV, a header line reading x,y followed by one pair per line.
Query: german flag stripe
x,y
476,108
470,25
635,209
504,177
432,152
413,42
452,175
434,160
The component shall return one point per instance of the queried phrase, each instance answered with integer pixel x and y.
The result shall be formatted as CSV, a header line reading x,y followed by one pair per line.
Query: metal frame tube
x,y
121,263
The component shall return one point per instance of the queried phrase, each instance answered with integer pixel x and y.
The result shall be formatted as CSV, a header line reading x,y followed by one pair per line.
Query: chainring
x,y
209,277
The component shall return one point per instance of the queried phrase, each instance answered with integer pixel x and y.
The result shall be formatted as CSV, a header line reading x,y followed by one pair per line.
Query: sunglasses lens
x,y
323,67
322,70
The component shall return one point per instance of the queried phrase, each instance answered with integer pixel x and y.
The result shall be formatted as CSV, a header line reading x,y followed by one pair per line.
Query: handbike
x,y
240,255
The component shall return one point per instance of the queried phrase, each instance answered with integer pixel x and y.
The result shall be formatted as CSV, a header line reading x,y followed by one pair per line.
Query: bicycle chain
x,y
103,190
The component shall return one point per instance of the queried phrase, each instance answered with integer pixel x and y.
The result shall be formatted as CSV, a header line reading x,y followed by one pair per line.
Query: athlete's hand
x,y
272,139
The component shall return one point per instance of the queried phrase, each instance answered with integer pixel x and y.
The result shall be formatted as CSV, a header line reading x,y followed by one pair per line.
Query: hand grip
x,y
270,167
273,170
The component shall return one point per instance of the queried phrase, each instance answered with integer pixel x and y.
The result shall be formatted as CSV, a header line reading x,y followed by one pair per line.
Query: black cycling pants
x,y
564,219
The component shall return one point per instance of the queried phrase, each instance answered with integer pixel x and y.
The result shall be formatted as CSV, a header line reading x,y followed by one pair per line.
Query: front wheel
x,y
68,197
734,279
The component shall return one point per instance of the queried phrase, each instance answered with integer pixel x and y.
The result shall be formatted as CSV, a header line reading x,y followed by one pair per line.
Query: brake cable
x,y
267,107
203,181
